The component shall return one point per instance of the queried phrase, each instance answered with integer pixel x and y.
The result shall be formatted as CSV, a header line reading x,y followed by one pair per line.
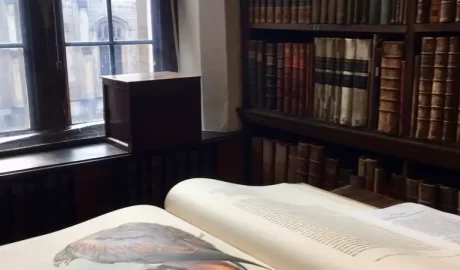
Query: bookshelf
x,y
331,27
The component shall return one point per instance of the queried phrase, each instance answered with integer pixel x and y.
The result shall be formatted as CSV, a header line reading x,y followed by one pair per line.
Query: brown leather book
x,y
428,195
414,106
302,83
451,95
447,13
357,181
380,186
295,79
371,165
308,11
341,11
279,11
292,164
390,87
316,11
364,12
332,11
261,74
448,199
257,4
331,174
344,177
315,172
294,11
328,74
412,187
263,11
257,160
310,79
268,159
422,11
337,82
438,88
435,11
280,77
357,11
402,15
252,72
402,117
303,162
302,12
288,57
425,87
398,187
362,166
270,75
281,162
270,11
457,11
350,9
287,10
324,9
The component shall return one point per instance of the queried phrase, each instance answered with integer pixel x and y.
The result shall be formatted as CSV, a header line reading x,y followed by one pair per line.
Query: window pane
x,y
14,111
85,20
85,66
133,59
10,27
132,20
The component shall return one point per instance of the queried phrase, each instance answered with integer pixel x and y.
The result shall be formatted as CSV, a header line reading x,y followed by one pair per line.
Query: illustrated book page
x,y
292,226
134,238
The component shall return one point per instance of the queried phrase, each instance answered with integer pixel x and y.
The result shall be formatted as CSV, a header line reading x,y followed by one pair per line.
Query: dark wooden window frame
x,y
47,85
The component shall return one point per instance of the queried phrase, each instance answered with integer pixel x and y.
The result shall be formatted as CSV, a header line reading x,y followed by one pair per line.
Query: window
x,y
53,52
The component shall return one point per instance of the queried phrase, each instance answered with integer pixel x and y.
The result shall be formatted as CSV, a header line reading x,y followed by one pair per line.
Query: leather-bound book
x,y
338,59
257,160
252,72
320,65
287,10
348,81
357,11
344,177
435,11
323,11
397,11
280,77
357,181
270,11
316,11
331,12
257,4
364,19
341,12
374,11
402,12
279,11
412,187
263,11
415,86
268,161
457,11
350,9
302,12
292,164
402,116
438,88
331,174
425,87
385,12
422,11
308,11
328,74
270,79
281,162
360,104
316,164
380,185
448,199
452,92
295,79
428,195
302,83
288,57
294,11
251,10
261,74
447,13
398,187
303,162
371,165
309,80
362,163
390,87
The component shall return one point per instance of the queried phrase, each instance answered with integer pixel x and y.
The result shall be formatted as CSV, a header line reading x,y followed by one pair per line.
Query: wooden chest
x,y
152,111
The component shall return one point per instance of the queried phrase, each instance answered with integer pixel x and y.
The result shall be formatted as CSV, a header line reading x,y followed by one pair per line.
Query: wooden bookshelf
x,y
360,28
436,27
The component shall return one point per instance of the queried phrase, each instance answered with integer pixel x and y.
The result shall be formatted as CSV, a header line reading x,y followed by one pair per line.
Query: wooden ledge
x,y
358,28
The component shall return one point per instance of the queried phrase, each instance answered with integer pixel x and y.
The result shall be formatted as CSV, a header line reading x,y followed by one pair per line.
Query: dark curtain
x,y
163,30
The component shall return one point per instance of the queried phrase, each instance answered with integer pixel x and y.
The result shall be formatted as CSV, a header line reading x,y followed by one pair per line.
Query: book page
x,y
291,226
430,222
134,238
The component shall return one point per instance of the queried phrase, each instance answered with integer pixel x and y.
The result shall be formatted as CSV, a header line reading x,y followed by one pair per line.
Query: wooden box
x,y
152,111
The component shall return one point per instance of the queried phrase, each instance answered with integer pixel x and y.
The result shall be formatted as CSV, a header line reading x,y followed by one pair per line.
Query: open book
x,y
213,225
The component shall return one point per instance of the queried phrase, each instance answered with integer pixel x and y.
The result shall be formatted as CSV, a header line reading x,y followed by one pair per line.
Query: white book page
x,y
292,226
133,238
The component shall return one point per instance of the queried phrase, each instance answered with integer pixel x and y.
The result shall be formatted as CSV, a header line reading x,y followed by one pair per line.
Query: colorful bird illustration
x,y
155,246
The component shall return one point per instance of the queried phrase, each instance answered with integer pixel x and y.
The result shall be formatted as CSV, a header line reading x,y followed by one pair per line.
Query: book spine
x,y
439,88
315,173
371,165
357,181
397,11
457,11
341,12
435,11
344,177
412,187
280,77
402,11
292,164
288,57
331,11
402,115
374,11
252,72
356,11
279,11
428,195
302,12
302,83
270,11
294,11
295,79
309,80
362,163
287,11
364,12
303,156
339,55
270,80
422,11
398,187
316,11
261,74
308,11
268,167
415,96
448,199
347,82
425,86
263,11
390,92
350,9
323,10
257,4
360,102
380,184
331,174
447,13
257,160
328,81
318,77
281,162
385,12
451,95
251,4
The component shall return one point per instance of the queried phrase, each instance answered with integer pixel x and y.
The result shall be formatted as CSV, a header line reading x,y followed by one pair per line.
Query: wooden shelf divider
x,y
436,27
358,28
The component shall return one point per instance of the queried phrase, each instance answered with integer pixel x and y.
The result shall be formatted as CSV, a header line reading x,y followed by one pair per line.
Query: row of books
x,y
328,11
438,11
280,162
